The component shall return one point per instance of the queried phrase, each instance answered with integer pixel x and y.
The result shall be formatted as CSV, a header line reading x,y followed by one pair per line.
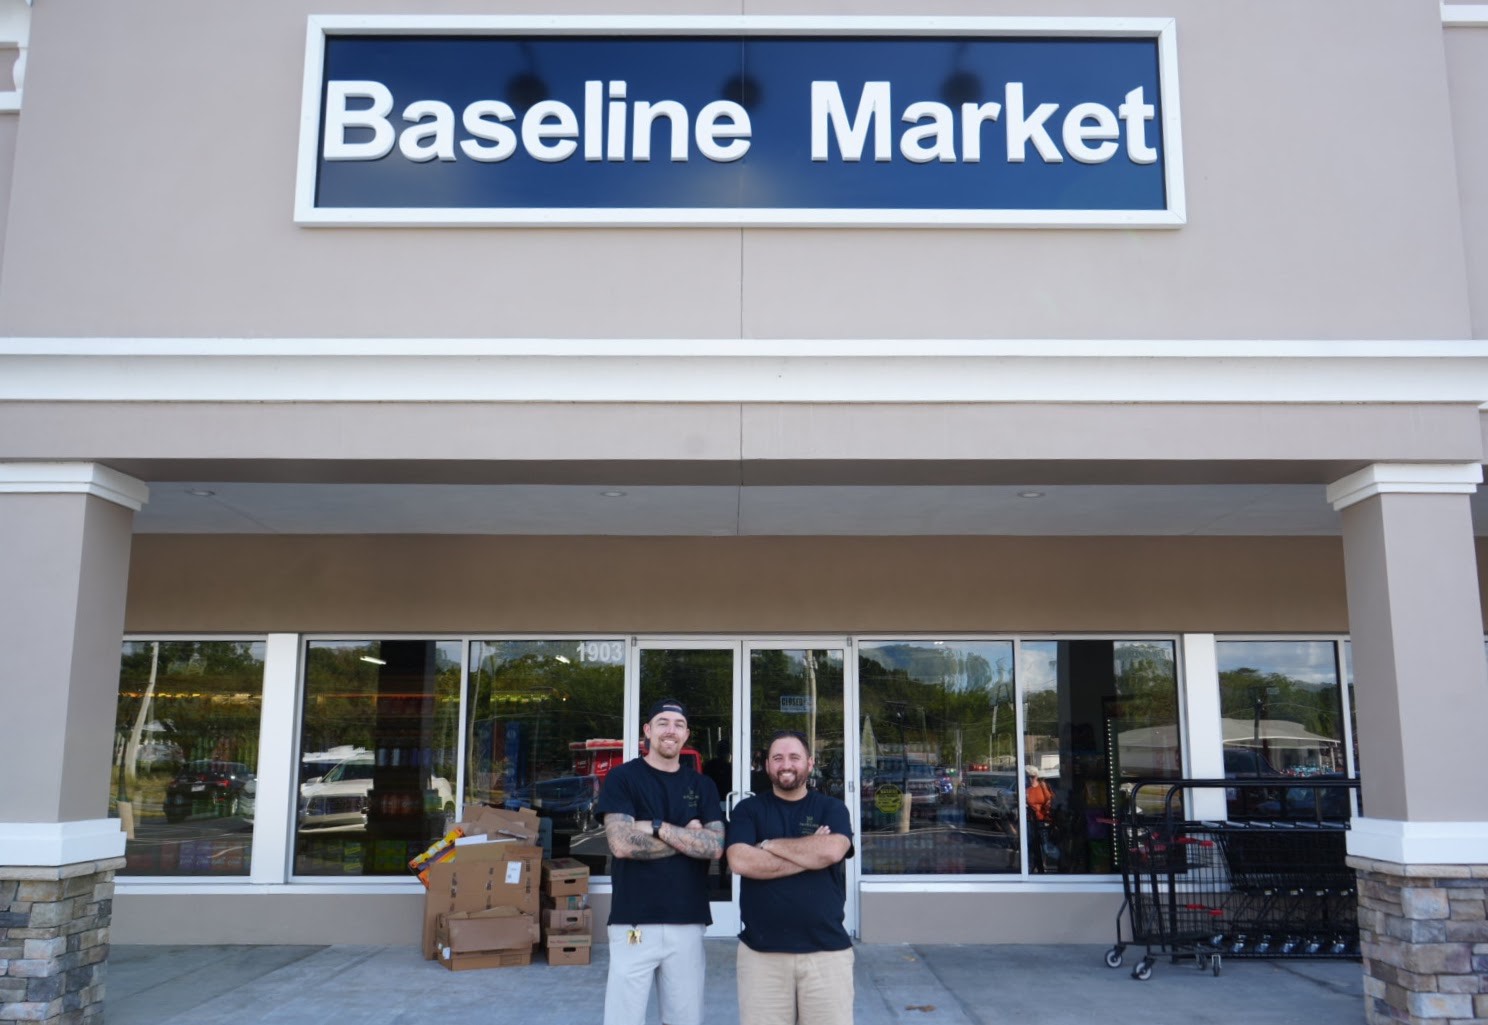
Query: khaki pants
x,y
795,989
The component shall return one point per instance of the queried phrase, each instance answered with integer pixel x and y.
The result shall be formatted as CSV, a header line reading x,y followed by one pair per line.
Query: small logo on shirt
x,y
808,825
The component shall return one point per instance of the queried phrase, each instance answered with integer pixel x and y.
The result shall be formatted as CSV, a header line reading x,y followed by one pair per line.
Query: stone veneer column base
x,y
1424,936
54,929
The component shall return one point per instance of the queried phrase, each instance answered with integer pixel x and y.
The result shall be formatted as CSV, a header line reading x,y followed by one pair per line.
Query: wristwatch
x,y
656,827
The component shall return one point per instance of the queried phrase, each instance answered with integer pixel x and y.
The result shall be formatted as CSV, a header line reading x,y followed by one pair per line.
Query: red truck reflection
x,y
597,757
574,795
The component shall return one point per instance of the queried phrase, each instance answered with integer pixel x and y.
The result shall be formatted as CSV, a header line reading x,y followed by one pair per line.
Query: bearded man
x,y
795,959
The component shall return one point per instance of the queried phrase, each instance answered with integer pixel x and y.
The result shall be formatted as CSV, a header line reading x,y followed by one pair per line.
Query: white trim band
x,y
72,479
1464,15
1419,843
1407,479
738,370
52,844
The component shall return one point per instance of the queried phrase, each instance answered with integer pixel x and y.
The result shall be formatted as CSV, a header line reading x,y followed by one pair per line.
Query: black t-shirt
x,y
802,913
667,891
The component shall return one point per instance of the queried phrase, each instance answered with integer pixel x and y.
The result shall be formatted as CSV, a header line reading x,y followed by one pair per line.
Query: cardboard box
x,y
495,959
569,923
482,876
575,902
493,938
521,824
568,950
564,877
484,939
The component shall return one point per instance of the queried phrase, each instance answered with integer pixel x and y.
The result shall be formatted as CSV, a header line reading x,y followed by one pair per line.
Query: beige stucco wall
x,y
179,223
9,125
733,585
927,917
1467,57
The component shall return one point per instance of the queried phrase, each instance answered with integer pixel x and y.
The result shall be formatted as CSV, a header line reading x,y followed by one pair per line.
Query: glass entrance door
x,y
704,676
799,685
738,695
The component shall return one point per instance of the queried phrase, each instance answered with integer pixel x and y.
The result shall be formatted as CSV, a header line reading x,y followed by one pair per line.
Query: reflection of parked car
x,y
990,796
338,801
922,784
205,787
1290,798
1303,802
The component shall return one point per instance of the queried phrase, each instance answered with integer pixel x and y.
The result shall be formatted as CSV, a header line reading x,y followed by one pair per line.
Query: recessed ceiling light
x,y
1030,494
201,492
612,494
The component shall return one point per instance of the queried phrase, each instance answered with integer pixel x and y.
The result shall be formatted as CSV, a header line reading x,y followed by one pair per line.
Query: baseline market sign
x,y
430,120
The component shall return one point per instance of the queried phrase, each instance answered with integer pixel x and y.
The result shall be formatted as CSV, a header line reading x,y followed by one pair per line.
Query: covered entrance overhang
x,y
300,512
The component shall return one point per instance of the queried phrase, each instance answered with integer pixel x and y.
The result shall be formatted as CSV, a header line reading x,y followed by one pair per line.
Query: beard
x,y
788,779
667,746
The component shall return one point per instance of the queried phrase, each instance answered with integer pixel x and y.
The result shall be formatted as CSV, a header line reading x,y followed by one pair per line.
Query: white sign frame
x,y
1163,30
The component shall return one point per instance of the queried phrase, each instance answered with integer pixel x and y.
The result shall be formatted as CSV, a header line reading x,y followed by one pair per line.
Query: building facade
x,y
375,436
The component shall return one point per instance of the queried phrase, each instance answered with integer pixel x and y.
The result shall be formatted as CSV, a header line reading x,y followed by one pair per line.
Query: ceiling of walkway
x,y
208,507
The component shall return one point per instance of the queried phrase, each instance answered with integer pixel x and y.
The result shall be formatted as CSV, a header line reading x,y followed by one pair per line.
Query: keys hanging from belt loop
x,y
633,936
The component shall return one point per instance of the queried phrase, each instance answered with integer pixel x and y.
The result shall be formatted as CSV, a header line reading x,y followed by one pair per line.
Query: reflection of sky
x,y
823,659
915,657
1038,669
1307,662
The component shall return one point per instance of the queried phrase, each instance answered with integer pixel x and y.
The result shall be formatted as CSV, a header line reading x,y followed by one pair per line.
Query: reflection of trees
x,y
957,703
342,691
543,696
1254,696
1315,707
205,696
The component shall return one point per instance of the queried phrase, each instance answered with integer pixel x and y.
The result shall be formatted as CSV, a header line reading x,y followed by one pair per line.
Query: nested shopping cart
x,y
1271,881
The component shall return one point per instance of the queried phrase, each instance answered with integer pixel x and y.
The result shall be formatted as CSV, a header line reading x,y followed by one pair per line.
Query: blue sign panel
x,y
490,127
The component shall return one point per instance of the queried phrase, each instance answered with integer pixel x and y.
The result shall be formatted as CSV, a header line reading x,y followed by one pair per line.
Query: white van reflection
x,y
338,800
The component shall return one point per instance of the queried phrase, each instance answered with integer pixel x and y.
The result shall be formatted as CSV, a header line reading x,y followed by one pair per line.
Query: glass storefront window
x,y
545,725
938,757
378,747
1281,709
1097,714
185,754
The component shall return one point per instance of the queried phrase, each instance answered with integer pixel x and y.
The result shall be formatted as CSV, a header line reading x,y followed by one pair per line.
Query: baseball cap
x,y
667,705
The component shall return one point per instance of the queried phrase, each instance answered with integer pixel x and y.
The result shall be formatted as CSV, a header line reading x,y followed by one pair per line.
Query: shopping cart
x,y
1247,887
1170,875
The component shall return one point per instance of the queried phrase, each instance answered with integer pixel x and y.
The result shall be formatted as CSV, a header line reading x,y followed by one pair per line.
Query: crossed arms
x,y
772,859
695,840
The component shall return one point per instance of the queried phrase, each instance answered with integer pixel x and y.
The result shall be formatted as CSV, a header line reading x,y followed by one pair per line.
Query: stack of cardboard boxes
x,y
482,905
567,919
492,897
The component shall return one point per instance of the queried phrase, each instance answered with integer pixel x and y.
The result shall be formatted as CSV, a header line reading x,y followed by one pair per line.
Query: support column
x,y
1421,691
64,542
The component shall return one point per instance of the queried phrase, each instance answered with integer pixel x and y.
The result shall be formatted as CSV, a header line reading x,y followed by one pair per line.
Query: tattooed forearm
x,y
627,840
704,842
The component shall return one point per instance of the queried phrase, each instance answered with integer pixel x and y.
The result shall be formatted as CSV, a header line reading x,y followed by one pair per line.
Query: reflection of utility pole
x,y
809,660
896,710
129,757
131,750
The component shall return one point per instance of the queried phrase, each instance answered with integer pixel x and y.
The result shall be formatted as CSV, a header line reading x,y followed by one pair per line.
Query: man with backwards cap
x,y
654,810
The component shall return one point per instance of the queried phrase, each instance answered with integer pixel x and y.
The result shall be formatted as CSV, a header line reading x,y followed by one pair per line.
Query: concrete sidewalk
x,y
896,985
